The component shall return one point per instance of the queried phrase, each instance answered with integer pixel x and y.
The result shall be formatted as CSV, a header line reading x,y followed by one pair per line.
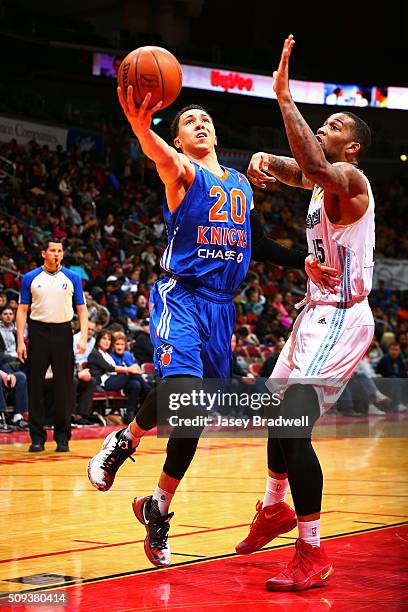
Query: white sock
x,y
309,531
275,491
134,441
163,498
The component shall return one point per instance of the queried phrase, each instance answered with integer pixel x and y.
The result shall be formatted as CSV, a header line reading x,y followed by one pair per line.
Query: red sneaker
x,y
267,524
309,567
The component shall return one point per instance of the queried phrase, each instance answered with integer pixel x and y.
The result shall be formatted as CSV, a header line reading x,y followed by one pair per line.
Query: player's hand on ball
x,y
324,277
258,166
139,118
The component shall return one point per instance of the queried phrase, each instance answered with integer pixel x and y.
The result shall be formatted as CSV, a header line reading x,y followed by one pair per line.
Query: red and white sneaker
x,y
156,544
103,466
309,567
267,524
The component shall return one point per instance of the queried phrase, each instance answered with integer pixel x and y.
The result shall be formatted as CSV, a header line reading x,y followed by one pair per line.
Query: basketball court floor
x,y
60,536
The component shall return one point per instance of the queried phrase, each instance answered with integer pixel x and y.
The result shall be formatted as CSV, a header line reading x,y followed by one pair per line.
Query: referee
x,y
50,291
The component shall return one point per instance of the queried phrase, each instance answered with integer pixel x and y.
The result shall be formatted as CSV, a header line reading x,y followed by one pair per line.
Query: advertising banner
x,y
24,131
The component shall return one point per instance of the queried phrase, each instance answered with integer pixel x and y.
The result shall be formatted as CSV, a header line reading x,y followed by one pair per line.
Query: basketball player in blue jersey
x,y
207,209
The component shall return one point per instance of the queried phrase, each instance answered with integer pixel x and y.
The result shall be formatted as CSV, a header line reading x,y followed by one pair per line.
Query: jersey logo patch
x,y
164,353
313,219
322,321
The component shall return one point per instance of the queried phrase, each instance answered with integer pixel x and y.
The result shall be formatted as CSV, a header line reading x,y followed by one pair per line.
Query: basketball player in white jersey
x,y
333,331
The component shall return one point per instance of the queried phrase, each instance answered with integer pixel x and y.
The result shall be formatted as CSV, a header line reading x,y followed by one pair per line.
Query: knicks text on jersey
x,y
209,234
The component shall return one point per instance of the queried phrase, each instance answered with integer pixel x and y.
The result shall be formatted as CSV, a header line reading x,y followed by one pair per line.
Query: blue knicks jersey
x,y
209,235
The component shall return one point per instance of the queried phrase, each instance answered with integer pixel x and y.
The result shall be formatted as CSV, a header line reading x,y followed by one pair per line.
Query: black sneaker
x,y
156,544
84,422
62,447
103,467
36,447
21,425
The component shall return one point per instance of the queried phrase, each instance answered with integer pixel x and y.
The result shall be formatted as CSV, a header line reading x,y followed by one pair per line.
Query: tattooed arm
x,y
341,178
284,169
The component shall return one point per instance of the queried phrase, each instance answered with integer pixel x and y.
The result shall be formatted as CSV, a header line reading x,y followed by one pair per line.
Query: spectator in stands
x,y
13,304
109,228
241,381
365,376
283,314
375,353
84,389
14,385
125,358
245,336
113,377
387,338
392,367
8,340
239,303
129,309
113,291
381,296
141,303
239,365
148,255
403,342
270,362
131,282
267,326
255,301
291,283
81,358
143,347
69,212
3,299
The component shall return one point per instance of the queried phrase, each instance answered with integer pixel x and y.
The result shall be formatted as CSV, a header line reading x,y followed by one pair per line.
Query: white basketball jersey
x,y
348,248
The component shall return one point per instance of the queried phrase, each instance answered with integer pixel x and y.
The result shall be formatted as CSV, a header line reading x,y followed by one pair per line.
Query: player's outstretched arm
x,y
342,178
170,165
265,168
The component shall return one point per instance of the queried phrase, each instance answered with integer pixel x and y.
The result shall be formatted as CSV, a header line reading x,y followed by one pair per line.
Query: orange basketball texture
x,y
154,70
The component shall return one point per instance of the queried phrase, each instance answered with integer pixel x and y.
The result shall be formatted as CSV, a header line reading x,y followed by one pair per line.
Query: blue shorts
x,y
191,330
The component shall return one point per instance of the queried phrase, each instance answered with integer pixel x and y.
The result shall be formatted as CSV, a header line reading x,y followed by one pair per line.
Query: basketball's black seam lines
x,y
161,76
137,80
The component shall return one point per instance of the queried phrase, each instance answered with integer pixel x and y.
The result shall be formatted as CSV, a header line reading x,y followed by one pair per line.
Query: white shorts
x,y
324,348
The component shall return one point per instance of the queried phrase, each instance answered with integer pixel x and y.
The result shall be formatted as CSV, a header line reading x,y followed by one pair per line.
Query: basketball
x,y
154,70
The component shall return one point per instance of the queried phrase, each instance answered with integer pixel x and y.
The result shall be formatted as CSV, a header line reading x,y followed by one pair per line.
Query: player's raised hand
x,y
326,278
258,166
281,75
139,118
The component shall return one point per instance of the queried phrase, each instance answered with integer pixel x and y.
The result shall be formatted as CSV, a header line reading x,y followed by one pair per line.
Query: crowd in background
x,y
108,213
